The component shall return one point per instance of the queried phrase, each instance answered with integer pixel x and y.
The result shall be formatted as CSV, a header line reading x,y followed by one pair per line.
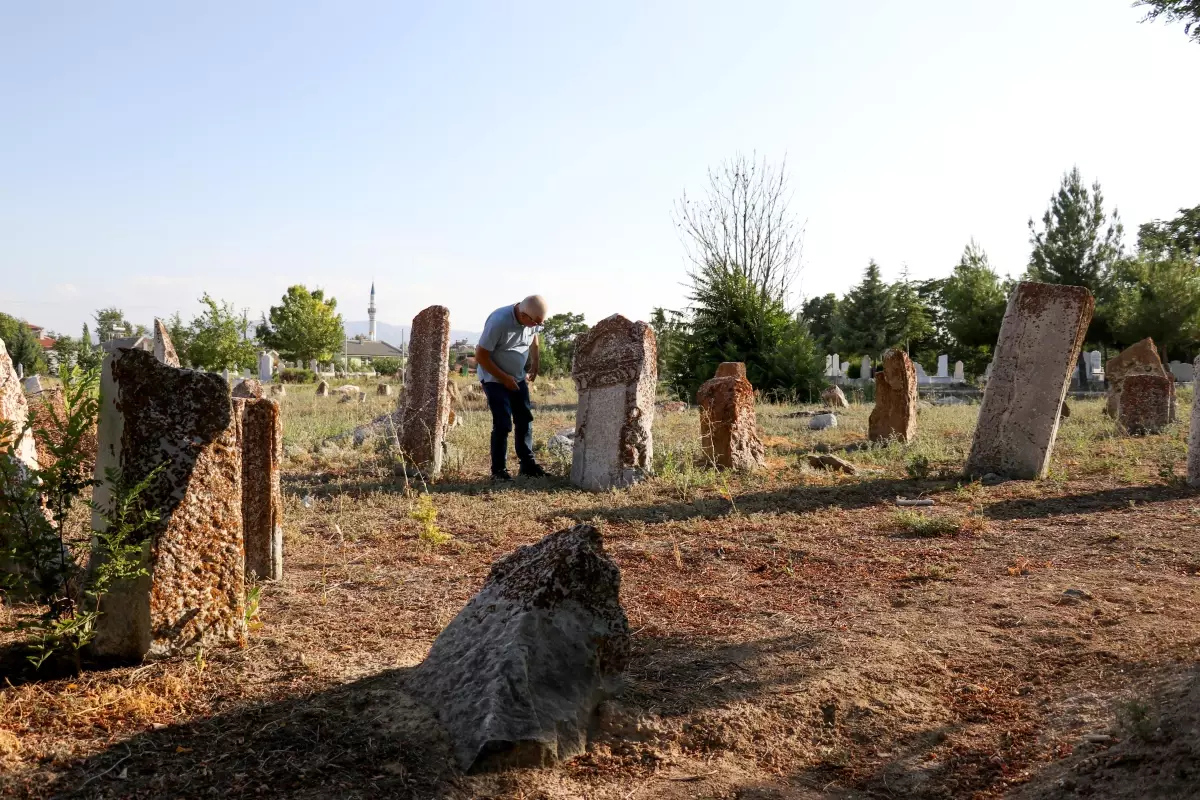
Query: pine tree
x,y
865,316
911,316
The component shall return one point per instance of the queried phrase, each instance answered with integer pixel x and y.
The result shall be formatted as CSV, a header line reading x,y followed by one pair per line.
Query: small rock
x,y
822,422
991,479
1077,594
832,463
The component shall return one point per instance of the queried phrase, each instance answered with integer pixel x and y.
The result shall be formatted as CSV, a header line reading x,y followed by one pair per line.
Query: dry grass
x,y
796,635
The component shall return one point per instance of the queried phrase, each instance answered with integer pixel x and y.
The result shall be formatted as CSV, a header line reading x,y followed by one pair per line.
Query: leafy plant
x,y
425,512
297,375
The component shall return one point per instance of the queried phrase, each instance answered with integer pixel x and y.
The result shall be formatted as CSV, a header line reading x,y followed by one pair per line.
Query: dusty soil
x,y
795,637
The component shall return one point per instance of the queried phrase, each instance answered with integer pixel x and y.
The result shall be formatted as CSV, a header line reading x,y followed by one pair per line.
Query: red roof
x,y
45,341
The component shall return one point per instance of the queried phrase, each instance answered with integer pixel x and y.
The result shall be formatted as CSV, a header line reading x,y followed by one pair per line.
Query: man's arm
x,y
484,359
535,358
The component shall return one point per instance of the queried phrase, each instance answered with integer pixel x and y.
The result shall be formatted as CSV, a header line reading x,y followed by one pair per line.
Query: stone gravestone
x,y
1096,363
1183,372
864,369
1137,359
313,366
1193,462
1083,371
424,412
516,678
33,384
249,388
728,428
845,369
164,348
1040,335
616,374
384,390
1145,403
322,389
922,377
266,367
943,366
959,375
21,371
15,409
895,412
194,592
262,498
834,397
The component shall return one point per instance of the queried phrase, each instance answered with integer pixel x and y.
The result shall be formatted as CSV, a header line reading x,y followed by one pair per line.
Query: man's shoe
x,y
532,471
502,477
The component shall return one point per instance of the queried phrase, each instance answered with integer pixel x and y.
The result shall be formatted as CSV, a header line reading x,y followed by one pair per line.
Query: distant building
x,y
45,341
367,348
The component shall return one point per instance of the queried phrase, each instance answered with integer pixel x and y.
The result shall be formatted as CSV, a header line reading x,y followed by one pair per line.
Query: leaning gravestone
x,y
1137,359
728,428
33,384
516,678
164,348
616,374
262,498
153,415
895,412
1040,335
424,412
834,397
1145,403
15,409
249,388
322,389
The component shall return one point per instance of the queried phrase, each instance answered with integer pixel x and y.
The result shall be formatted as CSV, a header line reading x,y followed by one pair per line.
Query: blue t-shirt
x,y
508,341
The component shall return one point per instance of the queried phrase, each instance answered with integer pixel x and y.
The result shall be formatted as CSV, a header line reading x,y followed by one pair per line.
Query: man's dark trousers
x,y
510,409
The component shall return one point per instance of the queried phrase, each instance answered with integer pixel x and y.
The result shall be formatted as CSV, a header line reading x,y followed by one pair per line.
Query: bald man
x,y
507,355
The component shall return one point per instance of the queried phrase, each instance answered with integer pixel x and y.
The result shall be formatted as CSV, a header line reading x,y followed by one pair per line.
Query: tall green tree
x,y
912,318
1185,11
88,355
304,326
557,346
219,338
820,315
973,300
22,346
111,323
1181,234
866,316
1160,298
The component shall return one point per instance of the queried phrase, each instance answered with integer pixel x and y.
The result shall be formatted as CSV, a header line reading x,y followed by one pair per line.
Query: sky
x,y
470,153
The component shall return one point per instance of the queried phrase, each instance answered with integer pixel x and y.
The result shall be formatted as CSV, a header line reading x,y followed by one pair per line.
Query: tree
x,y
88,356
973,300
1185,11
865,316
557,346
181,338
819,314
112,324
305,326
218,338
1182,234
912,319
671,330
1160,298
22,346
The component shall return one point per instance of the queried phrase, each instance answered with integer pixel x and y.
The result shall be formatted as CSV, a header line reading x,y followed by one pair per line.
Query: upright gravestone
x,y
33,384
835,365
959,375
943,366
266,367
15,409
323,389
1083,371
728,428
1097,365
895,414
922,377
1145,403
864,369
262,499
845,369
249,388
313,366
424,412
193,594
1137,359
21,371
1193,462
1040,335
615,372
164,348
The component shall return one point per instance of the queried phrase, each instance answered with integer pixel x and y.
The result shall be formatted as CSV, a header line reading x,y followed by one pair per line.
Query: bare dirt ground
x,y
796,635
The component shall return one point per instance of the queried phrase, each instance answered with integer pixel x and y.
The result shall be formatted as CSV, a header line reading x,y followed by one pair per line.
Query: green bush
x,y
297,375
387,366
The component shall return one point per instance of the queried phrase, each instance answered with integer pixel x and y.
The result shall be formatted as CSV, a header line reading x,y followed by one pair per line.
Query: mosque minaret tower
x,y
371,313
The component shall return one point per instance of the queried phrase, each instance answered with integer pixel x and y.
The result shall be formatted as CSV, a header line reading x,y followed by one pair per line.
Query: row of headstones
x,y
216,457
835,368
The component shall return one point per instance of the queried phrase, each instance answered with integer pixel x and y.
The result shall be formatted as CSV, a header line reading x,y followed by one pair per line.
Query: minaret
x,y
371,313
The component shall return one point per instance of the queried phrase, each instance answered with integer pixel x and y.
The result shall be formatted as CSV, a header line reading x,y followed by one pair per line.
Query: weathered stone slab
x,y
943,366
1193,462
33,384
322,389
151,415
865,368
1184,373
262,498
616,374
833,397
249,388
959,374
15,409
1145,403
266,366
1137,359
728,428
820,422
517,676
424,410
1040,335
384,390
731,369
895,414
164,348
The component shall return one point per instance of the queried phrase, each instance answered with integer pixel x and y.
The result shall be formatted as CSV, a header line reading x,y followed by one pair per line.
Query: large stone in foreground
x,y
615,368
1138,359
262,497
150,415
728,427
894,417
1193,460
1042,331
1145,403
15,409
424,412
517,676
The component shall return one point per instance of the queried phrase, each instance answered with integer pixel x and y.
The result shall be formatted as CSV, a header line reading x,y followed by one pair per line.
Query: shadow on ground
x,y
1088,503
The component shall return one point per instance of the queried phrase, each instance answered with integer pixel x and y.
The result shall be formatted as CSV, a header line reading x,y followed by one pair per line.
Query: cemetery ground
x,y
796,634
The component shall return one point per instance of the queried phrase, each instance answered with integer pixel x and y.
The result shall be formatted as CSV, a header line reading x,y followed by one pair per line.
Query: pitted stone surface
x,y
728,427
1138,359
15,409
834,398
262,498
616,374
151,415
517,676
323,389
1193,462
731,369
895,412
1145,403
164,348
1040,336
424,410
249,388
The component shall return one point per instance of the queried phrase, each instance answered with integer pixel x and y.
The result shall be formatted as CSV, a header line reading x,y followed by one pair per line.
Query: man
x,y
507,357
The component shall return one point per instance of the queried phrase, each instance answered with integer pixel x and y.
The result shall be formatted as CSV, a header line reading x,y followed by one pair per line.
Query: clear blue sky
x,y
471,153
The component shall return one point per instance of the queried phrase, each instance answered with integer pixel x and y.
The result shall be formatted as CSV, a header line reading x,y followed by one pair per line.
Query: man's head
x,y
532,311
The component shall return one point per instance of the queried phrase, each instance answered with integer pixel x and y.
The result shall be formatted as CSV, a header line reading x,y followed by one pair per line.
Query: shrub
x,y
387,366
297,375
